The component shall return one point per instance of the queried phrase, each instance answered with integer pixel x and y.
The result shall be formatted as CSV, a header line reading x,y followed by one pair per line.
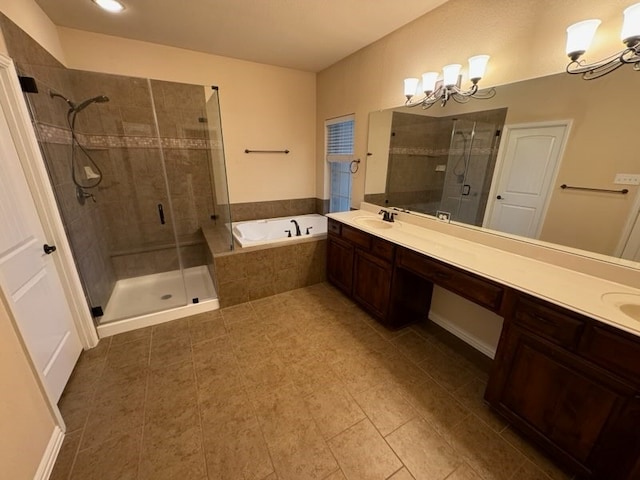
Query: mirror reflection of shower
x,y
90,175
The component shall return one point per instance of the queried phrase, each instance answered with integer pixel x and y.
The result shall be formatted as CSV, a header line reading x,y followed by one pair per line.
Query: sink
x,y
627,303
374,223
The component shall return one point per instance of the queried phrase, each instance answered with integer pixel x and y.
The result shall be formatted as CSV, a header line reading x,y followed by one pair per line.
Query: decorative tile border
x,y
52,134
438,152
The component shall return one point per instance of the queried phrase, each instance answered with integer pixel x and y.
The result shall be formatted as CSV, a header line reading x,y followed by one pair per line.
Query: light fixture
x,y
113,6
580,35
449,86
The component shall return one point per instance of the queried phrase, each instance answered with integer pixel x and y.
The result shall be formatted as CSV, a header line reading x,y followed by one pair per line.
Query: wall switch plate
x,y
441,168
627,179
444,216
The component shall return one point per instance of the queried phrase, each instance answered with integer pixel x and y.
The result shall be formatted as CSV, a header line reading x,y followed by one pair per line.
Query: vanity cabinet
x,y
556,378
361,265
340,263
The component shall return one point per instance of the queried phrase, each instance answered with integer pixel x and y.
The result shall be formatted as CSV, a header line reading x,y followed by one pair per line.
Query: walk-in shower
x,y
443,163
138,171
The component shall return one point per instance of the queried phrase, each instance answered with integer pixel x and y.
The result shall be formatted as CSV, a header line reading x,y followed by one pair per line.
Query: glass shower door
x,y
456,189
220,232
106,163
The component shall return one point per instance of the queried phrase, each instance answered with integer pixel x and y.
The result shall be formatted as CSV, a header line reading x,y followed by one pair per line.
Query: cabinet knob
x,y
499,197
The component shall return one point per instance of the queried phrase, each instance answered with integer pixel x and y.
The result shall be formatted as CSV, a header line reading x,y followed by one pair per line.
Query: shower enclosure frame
x,y
157,316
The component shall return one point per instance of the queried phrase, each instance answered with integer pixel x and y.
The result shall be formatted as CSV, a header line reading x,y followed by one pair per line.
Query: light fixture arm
x,y
443,94
591,71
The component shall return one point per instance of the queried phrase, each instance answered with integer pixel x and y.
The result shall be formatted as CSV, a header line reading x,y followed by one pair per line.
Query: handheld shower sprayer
x,y
98,99
90,168
82,105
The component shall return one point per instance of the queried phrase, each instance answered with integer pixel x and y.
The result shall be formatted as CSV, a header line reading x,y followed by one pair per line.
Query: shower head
x,y
99,99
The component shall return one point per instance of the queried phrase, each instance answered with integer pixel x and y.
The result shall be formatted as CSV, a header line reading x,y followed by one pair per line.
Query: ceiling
x,y
307,35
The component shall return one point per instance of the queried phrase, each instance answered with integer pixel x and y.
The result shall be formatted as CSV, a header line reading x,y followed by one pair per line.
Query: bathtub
x,y
273,230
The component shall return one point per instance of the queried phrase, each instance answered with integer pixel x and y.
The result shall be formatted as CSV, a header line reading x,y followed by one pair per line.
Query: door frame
x,y
632,218
501,161
14,108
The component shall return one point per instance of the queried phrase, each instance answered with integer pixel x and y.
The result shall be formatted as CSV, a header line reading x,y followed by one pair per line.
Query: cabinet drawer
x,y
382,249
553,324
333,226
357,237
613,350
472,287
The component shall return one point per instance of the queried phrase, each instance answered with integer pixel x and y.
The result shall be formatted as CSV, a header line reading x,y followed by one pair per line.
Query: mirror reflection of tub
x,y
274,230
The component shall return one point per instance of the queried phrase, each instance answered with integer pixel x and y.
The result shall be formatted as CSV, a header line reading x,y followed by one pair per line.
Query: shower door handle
x,y
161,214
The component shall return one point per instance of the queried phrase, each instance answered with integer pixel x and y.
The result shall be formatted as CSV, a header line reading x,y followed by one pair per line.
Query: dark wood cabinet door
x,y
372,283
340,263
561,402
567,403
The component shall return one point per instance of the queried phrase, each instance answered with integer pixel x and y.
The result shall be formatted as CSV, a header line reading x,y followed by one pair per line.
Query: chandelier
x,y
580,35
448,88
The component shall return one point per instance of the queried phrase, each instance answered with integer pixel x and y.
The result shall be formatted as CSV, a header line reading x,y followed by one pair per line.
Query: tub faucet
x,y
298,234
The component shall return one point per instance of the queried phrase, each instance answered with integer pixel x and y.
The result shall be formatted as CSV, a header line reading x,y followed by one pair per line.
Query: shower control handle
x,y
49,249
161,214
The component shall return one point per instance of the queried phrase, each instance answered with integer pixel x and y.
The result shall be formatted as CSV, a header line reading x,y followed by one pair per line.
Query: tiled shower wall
x,y
84,225
419,144
120,234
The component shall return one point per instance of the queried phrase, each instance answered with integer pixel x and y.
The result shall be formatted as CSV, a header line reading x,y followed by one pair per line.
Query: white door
x,y
28,276
532,155
632,247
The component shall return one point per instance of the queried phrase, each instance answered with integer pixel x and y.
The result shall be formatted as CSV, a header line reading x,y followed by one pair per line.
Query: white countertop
x,y
573,290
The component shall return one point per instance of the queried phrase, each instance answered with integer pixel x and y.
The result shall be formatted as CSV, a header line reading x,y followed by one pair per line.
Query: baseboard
x,y
50,455
450,327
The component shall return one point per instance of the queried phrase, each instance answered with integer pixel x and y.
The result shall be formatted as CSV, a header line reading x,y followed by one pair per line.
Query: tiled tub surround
x,y
252,273
241,212
301,385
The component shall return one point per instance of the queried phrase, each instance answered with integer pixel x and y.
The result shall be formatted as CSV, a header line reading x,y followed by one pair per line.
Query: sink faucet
x,y
387,216
298,234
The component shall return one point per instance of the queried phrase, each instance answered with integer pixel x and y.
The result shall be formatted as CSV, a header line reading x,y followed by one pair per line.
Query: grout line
x,y
200,424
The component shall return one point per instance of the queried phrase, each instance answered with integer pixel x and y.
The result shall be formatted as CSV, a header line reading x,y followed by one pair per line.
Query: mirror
x,y
599,120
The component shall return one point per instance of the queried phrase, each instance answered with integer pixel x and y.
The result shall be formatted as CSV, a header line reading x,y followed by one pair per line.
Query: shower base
x,y
152,299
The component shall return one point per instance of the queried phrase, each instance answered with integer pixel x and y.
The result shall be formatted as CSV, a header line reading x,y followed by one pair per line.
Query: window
x,y
339,133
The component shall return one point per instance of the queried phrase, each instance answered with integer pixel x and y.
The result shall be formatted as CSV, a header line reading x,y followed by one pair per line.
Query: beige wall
x,y
525,39
30,17
26,423
262,106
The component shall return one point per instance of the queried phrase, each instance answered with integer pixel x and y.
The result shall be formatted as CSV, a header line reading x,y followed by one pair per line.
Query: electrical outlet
x,y
441,168
444,216
627,179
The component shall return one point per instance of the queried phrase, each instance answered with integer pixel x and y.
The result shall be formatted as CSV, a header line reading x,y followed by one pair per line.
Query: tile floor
x,y
301,385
